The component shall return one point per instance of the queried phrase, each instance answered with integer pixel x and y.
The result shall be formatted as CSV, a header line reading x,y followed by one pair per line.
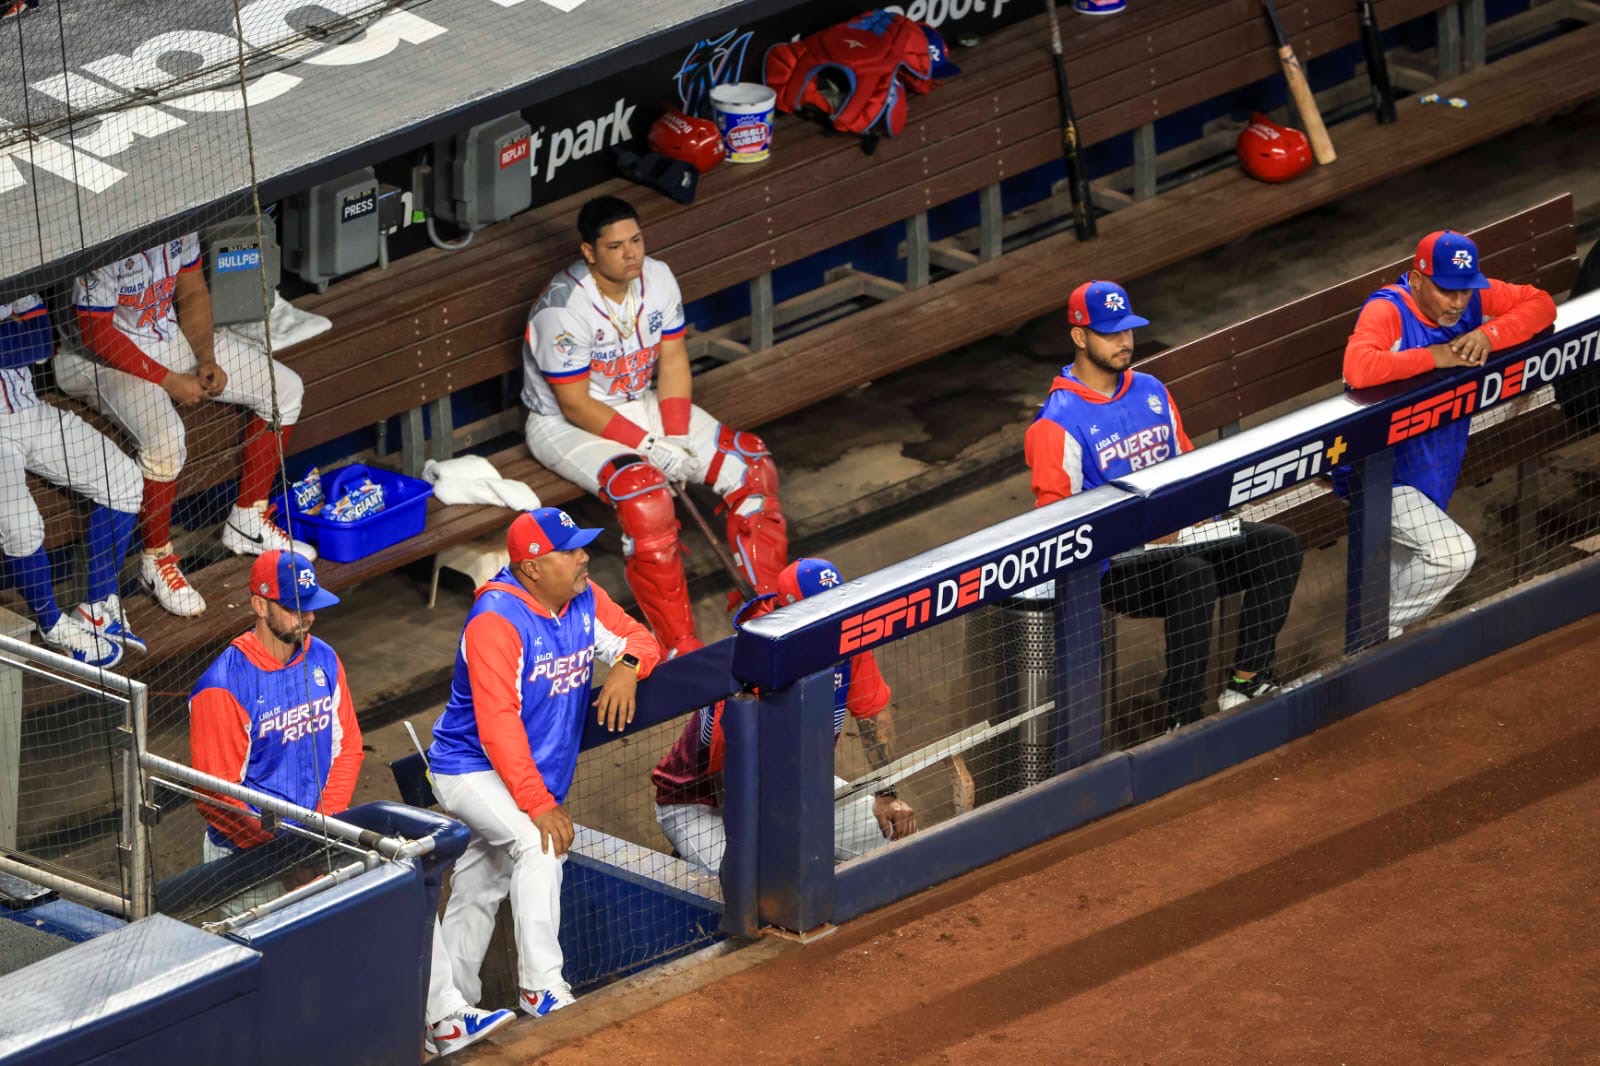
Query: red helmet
x,y
1270,152
695,141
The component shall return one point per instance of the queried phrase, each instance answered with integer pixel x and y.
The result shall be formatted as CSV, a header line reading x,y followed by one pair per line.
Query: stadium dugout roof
x,y
120,120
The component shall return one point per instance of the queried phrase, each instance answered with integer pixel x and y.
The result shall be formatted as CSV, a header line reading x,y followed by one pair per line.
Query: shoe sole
x,y
466,1041
255,545
151,591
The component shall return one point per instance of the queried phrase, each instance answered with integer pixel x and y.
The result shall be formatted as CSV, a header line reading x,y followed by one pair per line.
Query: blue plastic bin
x,y
405,512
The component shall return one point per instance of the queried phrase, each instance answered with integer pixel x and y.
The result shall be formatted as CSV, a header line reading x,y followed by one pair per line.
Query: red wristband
x,y
675,415
624,430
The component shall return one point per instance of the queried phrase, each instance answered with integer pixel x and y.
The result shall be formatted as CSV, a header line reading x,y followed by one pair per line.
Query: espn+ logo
x,y
1012,572
1289,468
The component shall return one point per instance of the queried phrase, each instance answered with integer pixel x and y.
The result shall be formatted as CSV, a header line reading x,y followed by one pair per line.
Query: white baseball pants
x,y
64,450
1430,556
504,855
148,415
578,455
444,998
696,830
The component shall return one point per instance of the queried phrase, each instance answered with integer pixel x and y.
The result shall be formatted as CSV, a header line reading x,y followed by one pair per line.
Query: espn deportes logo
x,y
238,259
1280,471
513,153
1010,573
1495,386
359,206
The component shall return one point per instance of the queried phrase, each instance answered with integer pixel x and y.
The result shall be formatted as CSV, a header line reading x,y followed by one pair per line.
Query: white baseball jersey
x,y
20,348
138,290
572,334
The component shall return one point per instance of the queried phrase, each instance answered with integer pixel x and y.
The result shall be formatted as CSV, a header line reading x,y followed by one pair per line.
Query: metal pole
x,y
389,847
91,897
135,834
310,888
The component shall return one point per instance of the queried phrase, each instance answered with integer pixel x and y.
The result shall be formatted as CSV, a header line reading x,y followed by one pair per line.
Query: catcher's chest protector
x,y
862,57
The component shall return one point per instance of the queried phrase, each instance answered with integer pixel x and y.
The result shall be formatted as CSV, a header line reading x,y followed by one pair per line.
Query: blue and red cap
x,y
548,529
1103,307
1449,260
288,579
806,577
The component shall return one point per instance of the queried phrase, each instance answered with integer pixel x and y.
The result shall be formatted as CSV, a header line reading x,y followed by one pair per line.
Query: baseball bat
x,y
1304,102
1077,177
729,563
1377,64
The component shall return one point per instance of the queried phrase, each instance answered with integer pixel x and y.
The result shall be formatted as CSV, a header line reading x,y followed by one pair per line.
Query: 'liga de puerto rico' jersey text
x,y
571,337
287,729
25,339
521,688
137,292
1081,438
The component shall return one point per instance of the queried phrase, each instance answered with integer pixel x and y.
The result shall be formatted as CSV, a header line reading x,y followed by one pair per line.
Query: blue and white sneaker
x,y
107,620
467,1026
546,1000
72,637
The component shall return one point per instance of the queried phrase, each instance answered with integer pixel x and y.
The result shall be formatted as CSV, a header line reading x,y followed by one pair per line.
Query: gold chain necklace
x,y
621,316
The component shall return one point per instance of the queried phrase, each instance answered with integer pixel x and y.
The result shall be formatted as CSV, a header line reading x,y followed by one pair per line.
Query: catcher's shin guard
x,y
757,532
654,561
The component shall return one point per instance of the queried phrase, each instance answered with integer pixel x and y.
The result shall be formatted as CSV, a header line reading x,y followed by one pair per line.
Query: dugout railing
x,y
780,867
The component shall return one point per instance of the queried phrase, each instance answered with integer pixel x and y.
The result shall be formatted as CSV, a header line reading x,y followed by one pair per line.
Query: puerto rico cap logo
x,y
307,578
1462,260
1115,302
828,578
567,521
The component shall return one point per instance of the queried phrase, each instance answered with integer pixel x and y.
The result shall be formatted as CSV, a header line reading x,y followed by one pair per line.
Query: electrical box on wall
x,y
482,175
235,263
332,229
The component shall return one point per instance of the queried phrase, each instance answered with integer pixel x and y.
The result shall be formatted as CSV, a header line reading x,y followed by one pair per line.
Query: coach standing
x,y
1103,420
505,749
1443,314
274,712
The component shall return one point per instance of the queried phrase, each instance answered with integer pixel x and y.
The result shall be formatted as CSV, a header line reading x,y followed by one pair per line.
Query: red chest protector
x,y
855,73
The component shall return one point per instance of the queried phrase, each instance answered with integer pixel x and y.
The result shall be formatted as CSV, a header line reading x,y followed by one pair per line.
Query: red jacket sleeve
x,y
1055,462
637,640
1370,357
869,692
347,753
494,655
1184,443
1515,313
100,333
219,745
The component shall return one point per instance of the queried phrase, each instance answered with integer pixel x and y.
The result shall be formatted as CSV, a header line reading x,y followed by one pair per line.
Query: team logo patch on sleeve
x,y
564,344
319,677
1155,404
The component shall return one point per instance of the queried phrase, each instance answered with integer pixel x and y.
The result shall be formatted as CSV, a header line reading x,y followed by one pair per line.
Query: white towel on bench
x,y
290,325
473,479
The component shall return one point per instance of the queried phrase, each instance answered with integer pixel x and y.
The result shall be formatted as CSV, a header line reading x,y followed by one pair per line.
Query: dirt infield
x,y
1420,883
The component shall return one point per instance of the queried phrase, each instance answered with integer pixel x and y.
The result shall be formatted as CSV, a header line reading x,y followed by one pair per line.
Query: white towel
x,y
473,479
290,326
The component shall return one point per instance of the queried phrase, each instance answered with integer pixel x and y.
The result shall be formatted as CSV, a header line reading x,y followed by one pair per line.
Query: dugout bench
x,y
406,339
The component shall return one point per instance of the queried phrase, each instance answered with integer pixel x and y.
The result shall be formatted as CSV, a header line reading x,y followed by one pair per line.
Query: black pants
x,y
1181,585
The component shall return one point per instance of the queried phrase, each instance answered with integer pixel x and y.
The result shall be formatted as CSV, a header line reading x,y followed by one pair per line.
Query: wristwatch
x,y
627,658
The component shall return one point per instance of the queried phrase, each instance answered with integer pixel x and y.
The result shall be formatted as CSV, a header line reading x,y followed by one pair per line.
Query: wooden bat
x,y
1304,102
1377,64
1077,178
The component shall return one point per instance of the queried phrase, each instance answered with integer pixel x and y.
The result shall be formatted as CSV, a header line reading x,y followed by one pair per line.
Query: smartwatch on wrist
x,y
627,658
